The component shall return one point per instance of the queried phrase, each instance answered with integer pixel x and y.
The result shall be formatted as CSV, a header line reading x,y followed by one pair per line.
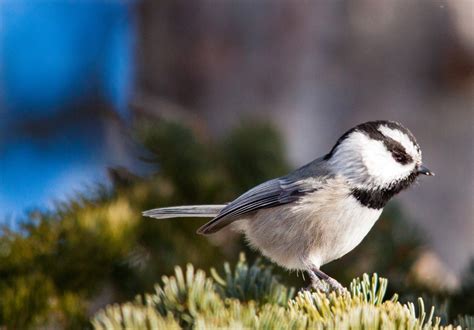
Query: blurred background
x,y
108,108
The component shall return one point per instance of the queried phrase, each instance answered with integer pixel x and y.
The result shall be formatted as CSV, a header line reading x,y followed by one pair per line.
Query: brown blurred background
x,y
316,68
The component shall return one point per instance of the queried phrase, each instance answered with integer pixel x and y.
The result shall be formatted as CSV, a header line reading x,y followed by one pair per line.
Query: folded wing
x,y
268,194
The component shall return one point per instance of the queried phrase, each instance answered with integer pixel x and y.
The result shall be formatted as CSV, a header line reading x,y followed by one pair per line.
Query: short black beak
x,y
424,170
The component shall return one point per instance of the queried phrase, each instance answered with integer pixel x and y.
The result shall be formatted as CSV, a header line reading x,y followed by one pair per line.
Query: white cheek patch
x,y
362,152
381,165
403,139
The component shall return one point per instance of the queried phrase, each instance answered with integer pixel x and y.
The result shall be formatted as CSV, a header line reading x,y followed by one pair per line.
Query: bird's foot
x,y
322,282
317,285
335,286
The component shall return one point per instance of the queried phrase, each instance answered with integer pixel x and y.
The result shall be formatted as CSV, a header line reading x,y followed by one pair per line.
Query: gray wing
x,y
272,193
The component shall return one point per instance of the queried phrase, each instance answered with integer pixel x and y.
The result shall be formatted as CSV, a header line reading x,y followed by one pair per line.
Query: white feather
x,y
367,163
397,135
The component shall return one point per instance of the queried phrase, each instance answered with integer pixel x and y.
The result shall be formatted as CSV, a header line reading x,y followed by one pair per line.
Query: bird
x,y
322,210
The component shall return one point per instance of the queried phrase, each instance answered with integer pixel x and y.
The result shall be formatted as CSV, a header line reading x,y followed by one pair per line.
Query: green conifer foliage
x,y
251,297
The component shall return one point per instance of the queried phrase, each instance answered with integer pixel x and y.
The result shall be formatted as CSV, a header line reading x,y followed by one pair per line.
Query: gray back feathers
x,y
275,192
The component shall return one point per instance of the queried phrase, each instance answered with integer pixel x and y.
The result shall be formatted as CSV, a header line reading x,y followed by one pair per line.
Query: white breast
x,y
340,228
321,227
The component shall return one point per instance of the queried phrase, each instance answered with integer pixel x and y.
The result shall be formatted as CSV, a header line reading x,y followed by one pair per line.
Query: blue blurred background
x,y
64,65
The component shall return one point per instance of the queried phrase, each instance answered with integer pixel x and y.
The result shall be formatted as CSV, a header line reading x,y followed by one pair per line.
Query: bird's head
x,y
378,155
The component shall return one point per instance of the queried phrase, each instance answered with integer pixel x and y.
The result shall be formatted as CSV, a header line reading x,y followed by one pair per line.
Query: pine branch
x,y
252,297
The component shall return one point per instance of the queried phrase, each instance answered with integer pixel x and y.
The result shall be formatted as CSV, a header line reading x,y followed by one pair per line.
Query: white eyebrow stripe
x,y
403,139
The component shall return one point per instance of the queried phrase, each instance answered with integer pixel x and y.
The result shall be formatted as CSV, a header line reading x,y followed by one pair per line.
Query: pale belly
x,y
319,229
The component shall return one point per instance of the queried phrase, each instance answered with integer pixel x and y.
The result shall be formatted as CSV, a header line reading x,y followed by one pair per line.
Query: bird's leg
x,y
320,276
316,282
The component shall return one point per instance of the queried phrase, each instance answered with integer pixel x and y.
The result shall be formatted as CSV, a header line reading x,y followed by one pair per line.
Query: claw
x,y
318,285
322,282
336,286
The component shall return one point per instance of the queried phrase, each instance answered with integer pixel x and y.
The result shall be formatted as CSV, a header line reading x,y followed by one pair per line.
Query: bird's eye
x,y
398,152
401,157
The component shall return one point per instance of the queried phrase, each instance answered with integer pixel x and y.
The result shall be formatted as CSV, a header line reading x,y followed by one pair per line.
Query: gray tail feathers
x,y
204,211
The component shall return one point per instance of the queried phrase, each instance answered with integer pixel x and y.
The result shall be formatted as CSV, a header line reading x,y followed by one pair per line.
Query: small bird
x,y
323,210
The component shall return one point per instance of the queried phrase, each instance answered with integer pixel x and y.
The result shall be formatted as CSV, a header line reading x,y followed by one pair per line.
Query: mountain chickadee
x,y
323,210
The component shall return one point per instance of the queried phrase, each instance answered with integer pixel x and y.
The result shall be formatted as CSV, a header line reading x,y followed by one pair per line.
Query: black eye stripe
x,y
371,130
397,150
396,126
